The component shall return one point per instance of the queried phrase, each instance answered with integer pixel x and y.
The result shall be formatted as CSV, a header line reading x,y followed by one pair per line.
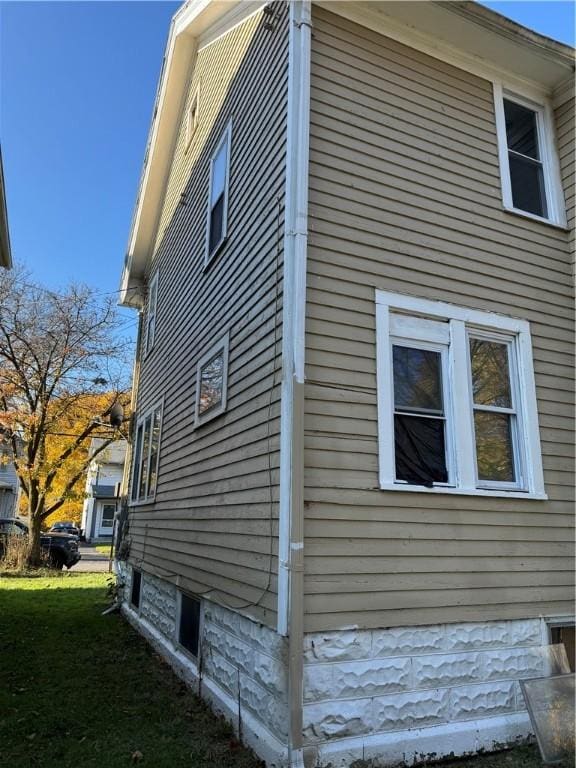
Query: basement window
x,y
564,634
189,623
136,588
217,225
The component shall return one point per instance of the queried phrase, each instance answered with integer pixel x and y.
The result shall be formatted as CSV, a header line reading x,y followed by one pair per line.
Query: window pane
x,y
420,450
150,334
137,455
108,516
527,179
211,383
189,633
154,454
144,462
494,446
490,373
417,380
216,224
219,173
521,130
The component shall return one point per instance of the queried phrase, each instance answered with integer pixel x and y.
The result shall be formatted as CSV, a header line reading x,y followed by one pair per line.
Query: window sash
x,y
512,412
445,416
218,195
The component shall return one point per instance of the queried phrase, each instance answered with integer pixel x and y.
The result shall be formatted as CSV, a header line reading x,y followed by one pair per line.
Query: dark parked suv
x,y
60,548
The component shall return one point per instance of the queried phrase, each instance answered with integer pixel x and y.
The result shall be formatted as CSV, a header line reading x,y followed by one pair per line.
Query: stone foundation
x,y
406,694
241,668
389,697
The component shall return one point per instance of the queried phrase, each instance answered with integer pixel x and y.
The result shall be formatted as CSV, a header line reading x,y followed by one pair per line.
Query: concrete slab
x,y
92,561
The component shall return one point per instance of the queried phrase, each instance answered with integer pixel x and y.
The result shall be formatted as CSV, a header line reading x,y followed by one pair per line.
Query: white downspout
x,y
291,523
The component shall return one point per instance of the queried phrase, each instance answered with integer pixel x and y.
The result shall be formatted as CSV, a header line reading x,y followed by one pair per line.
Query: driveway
x,y
92,561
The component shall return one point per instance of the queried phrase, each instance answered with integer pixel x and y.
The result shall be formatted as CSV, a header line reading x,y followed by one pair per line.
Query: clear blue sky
x,y
78,80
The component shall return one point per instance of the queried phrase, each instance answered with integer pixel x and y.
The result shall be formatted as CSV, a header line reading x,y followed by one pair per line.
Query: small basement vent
x,y
189,627
136,587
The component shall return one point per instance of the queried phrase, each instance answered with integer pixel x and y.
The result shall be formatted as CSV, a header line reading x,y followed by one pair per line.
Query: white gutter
x,y
291,523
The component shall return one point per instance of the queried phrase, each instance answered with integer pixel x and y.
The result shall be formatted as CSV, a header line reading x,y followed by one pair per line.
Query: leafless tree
x,y
61,362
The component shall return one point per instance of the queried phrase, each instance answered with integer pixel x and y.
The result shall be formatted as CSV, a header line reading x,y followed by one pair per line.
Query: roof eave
x,y
189,22
5,248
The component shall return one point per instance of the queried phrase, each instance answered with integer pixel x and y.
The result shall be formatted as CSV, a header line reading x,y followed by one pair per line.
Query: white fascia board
x,y
462,38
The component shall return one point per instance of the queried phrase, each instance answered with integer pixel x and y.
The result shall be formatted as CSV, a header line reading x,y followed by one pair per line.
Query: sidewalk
x,y
92,561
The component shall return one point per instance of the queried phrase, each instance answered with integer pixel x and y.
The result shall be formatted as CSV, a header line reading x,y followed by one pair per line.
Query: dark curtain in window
x,y
420,450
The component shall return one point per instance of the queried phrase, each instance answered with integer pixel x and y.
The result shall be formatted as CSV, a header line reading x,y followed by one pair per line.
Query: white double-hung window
x,y
146,455
529,168
456,400
217,225
150,327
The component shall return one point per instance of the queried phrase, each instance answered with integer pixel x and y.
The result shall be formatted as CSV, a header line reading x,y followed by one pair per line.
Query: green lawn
x,y
78,689
103,548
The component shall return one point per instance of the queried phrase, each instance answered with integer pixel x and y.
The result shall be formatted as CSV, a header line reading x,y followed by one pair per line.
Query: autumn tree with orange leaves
x,y
62,375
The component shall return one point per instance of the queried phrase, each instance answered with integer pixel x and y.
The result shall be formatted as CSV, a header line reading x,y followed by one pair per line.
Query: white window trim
x,y
192,118
460,321
140,423
549,156
226,138
151,314
222,345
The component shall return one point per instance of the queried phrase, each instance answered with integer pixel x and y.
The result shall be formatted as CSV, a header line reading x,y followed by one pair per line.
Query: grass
x,y
104,549
80,689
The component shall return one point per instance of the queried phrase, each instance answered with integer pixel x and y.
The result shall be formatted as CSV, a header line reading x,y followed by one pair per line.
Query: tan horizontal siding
x,y
566,138
213,524
405,196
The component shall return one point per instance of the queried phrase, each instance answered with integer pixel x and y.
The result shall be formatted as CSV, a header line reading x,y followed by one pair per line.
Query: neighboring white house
x,y
102,482
8,486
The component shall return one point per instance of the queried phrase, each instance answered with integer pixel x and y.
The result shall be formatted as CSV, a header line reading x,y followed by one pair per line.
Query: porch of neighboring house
x,y
98,515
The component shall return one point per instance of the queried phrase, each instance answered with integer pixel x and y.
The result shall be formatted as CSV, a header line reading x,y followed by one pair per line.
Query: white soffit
x,y
468,35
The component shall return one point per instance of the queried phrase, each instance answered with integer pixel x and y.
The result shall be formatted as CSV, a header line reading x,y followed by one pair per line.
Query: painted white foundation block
x,y
358,678
445,670
407,680
407,642
337,646
240,658
421,744
411,710
482,700
337,719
